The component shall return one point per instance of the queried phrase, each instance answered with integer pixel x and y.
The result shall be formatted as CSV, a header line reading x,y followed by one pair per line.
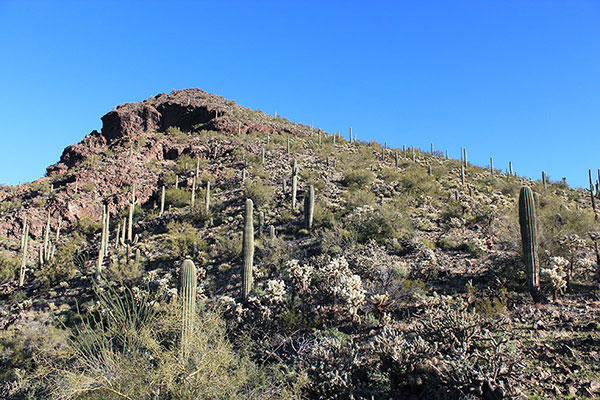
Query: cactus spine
x,y
529,241
248,250
187,294
309,208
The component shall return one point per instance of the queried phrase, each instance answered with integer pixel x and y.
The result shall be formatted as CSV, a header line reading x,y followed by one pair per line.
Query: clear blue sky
x,y
514,79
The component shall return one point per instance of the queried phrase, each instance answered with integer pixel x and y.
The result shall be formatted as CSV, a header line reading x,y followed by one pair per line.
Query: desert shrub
x,y
323,216
451,352
9,267
185,164
260,193
175,132
379,224
359,198
183,240
131,349
333,361
29,350
272,253
168,178
177,197
416,182
358,178
89,226
64,265
228,248
7,205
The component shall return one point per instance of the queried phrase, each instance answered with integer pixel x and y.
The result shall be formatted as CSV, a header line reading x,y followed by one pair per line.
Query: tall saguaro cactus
x,y
592,195
248,250
309,208
207,197
162,201
187,295
529,241
25,241
294,184
130,220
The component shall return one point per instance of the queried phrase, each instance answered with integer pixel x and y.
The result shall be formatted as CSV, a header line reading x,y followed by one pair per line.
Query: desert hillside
x,y
321,266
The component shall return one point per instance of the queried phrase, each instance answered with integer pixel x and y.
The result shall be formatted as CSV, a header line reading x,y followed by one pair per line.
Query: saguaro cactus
x,y
492,166
25,241
207,197
193,192
529,241
187,295
294,184
261,222
309,207
162,201
592,195
131,211
248,250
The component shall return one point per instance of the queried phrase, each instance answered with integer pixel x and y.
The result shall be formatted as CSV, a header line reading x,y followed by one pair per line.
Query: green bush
x,y
137,346
185,164
184,240
358,178
177,197
9,266
260,193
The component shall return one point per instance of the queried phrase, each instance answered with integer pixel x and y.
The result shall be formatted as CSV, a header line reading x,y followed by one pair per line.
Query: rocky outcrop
x,y
99,169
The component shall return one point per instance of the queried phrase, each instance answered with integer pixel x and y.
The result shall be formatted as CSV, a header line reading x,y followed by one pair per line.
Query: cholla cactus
x,y
557,272
350,289
275,291
300,275
572,244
